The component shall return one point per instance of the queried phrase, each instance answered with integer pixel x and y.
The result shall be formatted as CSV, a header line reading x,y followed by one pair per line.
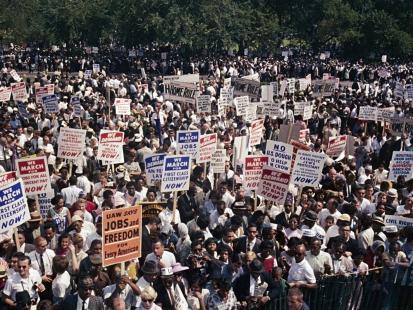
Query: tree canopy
x,y
354,27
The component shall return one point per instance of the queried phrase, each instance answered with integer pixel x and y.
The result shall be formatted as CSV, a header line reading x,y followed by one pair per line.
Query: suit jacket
x,y
186,206
281,219
70,303
242,245
146,242
163,296
242,286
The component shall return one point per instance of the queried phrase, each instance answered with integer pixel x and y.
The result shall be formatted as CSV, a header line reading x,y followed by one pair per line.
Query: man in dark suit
x,y
283,218
255,286
84,299
151,227
250,242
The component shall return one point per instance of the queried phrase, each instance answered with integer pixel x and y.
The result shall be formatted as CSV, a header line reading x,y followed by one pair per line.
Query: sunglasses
x,y
147,300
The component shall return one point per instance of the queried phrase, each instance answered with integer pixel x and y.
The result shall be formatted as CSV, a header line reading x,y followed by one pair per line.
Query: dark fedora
x,y
310,216
150,267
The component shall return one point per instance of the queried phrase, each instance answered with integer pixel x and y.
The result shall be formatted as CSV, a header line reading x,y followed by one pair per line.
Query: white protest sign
x,y
15,75
110,148
176,173
336,146
283,87
186,78
280,155
35,174
274,88
274,185
122,106
188,142
241,104
207,146
251,112
14,210
409,91
299,107
7,177
77,110
203,104
45,203
401,165
272,108
252,170
95,49
218,160
304,83
252,77
267,93
71,143
240,148
19,91
399,221
399,90
96,68
42,91
153,168
50,104
179,91
368,113
385,114
307,112
88,74
291,85
5,94
307,168
256,132
384,58
226,96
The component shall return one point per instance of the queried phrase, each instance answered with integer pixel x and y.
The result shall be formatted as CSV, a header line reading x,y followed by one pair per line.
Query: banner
x,y
368,113
14,210
71,143
110,148
218,159
7,177
207,146
252,170
244,87
186,78
153,167
280,155
336,146
188,142
34,174
121,235
273,185
5,94
122,106
203,104
256,132
19,91
399,221
178,91
50,104
401,164
176,173
307,168
151,209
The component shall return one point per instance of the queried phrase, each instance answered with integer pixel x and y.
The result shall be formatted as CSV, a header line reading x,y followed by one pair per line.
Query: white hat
x,y
166,272
309,233
390,229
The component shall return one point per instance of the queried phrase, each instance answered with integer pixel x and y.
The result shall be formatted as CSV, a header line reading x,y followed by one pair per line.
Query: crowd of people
x,y
225,247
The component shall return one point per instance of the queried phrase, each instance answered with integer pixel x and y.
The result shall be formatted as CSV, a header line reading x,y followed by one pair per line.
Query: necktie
x,y
42,268
84,305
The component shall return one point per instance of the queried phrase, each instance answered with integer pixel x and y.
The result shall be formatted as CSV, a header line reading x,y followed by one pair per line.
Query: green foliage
x,y
357,27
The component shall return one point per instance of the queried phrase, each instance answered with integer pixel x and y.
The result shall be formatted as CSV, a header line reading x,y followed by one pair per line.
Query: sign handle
x,y
36,198
16,237
175,200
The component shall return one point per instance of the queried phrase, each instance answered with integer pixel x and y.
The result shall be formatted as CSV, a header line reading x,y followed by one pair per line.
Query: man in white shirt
x,y
301,274
71,194
319,261
42,259
167,217
330,210
164,258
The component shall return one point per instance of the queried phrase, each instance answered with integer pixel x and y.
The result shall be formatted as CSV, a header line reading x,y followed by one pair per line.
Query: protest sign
x,y
176,173
336,146
273,185
7,177
409,91
96,68
95,50
15,75
288,132
401,165
5,94
252,77
283,87
207,146
77,110
396,125
244,87
399,221
299,107
203,104
279,155
45,203
110,148
408,126
186,78
385,114
274,88
240,149
88,74
121,235
71,143
368,113
19,91
42,91
34,174
256,132
399,90
251,112
74,100
183,92
153,167
267,93
14,210
304,83
151,209
226,96
241,104
122,106
303,135
384,58
307,112
22,109
307,168
323,88
291,85
252,170
272,108
188,142
50,104
218,160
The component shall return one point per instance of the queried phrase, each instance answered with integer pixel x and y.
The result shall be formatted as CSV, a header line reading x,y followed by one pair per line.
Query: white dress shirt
x,y
79,304
47,261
